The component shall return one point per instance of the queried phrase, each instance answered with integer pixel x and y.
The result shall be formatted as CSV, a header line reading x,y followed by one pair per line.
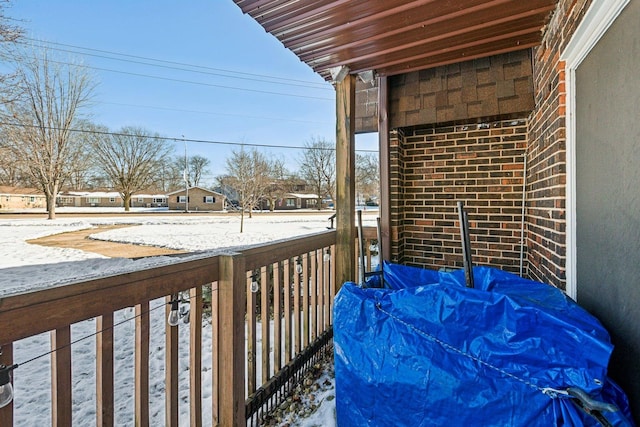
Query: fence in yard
x,y
271,308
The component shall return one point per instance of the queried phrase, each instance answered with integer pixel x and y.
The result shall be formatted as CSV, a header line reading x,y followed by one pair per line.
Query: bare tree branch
x,y
318,168
50,97
132,160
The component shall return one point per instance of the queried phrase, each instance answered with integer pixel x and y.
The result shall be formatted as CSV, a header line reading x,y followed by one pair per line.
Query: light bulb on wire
x,y
6,388
174,316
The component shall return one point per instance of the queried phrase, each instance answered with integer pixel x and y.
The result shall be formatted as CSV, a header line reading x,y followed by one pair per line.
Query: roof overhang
x,y
391,37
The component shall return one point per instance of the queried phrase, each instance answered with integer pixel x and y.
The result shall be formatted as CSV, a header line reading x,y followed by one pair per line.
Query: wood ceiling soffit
x,y
422,32
397,36
381,56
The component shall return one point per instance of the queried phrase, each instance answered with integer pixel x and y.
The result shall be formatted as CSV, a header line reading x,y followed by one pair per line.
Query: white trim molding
x,y
600,16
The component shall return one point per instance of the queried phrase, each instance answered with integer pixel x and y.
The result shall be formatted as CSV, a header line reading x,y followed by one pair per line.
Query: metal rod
x,y
361,251
467,260
524,207
380,257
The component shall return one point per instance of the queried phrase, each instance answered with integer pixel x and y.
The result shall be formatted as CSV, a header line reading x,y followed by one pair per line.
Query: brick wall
x,y
498,86
433,168
547,152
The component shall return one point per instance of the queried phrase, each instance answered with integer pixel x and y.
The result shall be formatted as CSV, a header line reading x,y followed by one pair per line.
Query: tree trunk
x,y
51,205
242,219
127,202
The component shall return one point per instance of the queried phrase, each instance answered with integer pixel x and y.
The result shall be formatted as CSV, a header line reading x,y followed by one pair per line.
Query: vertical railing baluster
x,y
265,310
277,317
321,299
142,365
6,359
61,376
305,300
215,354
313,291
286,272
297,289
104,371
332,283
251,336
195,356
171,368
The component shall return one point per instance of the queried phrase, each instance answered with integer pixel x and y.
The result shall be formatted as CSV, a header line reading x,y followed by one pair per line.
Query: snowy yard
x,y
28,267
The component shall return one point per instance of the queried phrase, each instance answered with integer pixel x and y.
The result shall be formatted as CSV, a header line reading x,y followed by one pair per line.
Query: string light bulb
x,y
255,286
327,256
299,266
6,388
174,316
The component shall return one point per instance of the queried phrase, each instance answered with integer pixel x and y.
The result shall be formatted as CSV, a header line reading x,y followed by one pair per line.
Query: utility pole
x,y
186,177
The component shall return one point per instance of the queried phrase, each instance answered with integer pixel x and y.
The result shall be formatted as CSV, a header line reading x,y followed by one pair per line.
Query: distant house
x,y
199,199
149,201
293,201
21,198
108,199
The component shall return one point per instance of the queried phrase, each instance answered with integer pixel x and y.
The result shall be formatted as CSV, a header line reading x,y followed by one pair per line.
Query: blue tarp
x,y
428,351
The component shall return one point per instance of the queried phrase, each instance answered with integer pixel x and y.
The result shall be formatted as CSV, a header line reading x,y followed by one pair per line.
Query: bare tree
x,y
50,99
281,182
197,167
82,166
248,173
9,34
12,170
367,176
131,158
318,168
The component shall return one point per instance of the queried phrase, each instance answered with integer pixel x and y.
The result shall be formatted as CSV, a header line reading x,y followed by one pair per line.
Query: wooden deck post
x,y
231,309
345,180
385,166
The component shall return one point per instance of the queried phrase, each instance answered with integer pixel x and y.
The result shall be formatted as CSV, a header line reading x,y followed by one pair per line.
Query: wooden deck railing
x,y
271,311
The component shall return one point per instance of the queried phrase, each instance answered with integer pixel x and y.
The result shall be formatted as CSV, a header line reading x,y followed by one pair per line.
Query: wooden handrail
x,y
299,301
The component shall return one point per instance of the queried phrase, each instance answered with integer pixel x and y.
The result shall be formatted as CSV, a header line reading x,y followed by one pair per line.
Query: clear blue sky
x,y
226,106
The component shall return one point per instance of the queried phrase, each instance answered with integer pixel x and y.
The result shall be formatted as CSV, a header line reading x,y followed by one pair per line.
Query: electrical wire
x,y
210,73
182,139
191,82
284,79
15,365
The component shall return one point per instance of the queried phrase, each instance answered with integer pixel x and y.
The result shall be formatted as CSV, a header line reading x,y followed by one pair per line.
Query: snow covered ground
x,y
28,267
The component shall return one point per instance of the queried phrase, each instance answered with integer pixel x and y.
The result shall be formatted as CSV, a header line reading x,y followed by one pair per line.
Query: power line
x,y
217,72
192,82
182,139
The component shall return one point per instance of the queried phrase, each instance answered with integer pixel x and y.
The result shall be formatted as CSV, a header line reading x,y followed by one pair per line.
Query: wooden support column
x,y
345,180
385,166
231,314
